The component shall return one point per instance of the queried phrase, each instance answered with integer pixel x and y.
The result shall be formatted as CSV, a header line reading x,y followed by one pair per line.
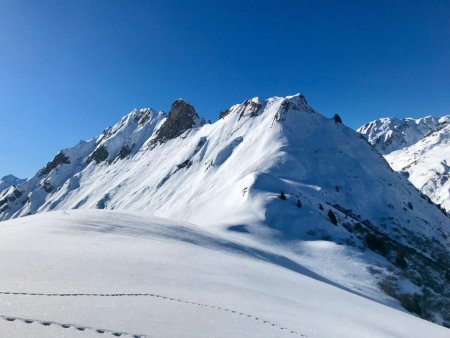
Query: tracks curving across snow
x,y
68,326
118,334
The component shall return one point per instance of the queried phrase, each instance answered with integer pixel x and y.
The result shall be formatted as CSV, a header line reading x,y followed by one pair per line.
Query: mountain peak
x,y
300,98
182,116
9,180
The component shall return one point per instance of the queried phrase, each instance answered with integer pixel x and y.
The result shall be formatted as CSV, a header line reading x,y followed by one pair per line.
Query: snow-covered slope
x,y
418,148
104,273
230,175
390,133
9,181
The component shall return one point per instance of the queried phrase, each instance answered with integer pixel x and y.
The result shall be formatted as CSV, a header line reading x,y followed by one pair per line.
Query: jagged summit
x,y
182,116
255,106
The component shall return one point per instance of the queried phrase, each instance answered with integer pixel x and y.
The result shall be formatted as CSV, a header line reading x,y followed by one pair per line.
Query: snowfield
x,y
107,273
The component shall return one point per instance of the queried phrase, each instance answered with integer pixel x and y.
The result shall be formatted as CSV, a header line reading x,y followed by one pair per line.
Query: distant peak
x,y
9,177
298,97
182,107
10,180
181,100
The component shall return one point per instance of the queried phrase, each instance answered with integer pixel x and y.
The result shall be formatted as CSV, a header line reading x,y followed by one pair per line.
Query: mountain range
x,y
274,173
419,149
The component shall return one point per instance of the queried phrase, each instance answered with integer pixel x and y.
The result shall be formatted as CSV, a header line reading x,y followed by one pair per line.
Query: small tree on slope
x,y
332,217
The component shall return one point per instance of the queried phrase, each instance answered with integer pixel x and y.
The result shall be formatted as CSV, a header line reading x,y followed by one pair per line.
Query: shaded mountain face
x,y
271,168
419,149
9,181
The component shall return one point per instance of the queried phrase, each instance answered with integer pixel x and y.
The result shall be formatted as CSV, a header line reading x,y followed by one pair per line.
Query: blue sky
x,y
69,69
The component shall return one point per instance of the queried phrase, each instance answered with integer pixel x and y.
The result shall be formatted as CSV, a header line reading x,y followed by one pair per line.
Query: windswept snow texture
x,y
418,148
104,273
230,175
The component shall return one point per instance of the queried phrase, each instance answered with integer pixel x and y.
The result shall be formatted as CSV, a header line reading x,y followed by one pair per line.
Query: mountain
x,y
391,134
9,181
273,172
420,149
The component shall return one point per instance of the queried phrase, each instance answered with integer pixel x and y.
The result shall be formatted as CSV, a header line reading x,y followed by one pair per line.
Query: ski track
x,y
118,334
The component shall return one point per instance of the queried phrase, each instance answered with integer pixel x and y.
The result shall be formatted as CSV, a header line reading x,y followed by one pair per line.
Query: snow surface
x,y
132,275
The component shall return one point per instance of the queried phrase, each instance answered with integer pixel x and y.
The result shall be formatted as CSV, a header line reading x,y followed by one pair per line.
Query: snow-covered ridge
x,y
390,134
418,148
229,175
9,181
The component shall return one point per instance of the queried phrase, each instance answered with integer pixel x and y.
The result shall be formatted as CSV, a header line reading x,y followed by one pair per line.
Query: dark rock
x,y
332,217
144,119
3,202
58,160
251,109
337,118
17,193
48,187
224,113
377,244
99,155
125,151
185,164
182,116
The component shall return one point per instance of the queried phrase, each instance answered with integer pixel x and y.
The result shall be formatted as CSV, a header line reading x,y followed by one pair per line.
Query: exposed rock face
x,y
14,195
99,155
58,160
124,151
182,116
249,107
48,186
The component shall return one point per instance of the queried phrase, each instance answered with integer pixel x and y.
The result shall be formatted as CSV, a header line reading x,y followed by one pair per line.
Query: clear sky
x,y
69,69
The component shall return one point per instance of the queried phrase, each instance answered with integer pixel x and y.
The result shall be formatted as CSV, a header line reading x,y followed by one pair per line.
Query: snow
x,y
226,178
197,283
391,134
8,181
425,157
